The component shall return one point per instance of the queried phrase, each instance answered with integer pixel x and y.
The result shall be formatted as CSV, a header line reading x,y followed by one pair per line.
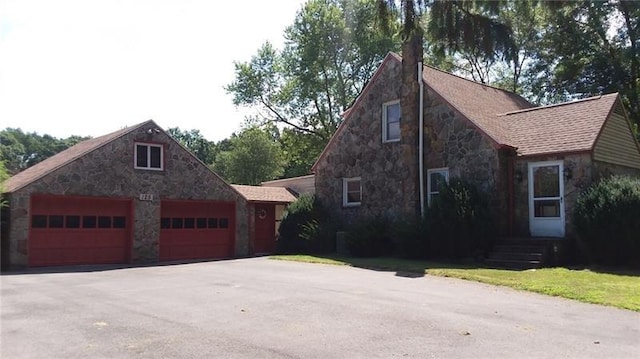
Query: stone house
x,y
134,195
531,161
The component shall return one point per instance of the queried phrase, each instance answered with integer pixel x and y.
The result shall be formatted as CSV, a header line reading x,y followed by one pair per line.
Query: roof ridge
x,y
462,77
473,81
592,98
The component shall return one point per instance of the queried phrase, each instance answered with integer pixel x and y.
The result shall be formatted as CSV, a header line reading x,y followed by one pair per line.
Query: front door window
x,y
546,191
546,202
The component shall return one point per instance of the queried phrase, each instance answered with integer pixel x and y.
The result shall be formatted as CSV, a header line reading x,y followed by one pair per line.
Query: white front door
x,y
546,199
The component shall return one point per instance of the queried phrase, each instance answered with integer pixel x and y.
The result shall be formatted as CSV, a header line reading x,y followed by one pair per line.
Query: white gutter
x,y
421,139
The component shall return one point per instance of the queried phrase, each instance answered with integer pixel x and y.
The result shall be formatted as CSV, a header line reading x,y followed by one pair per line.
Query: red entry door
x,y
265,234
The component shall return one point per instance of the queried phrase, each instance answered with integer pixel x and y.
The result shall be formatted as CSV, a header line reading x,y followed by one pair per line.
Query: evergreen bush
x,y
370,237
306,228
607,219
459,222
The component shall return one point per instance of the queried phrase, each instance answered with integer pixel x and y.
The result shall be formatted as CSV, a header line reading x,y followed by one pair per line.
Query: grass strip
x,y
595,285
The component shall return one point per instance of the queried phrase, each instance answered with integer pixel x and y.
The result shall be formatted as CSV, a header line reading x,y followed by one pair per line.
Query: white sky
x,y
90,67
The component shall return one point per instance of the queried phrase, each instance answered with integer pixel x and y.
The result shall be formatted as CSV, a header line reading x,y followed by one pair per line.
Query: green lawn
x,y
611,288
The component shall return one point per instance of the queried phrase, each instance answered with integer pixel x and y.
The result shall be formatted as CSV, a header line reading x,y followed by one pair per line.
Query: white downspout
x,y
421,139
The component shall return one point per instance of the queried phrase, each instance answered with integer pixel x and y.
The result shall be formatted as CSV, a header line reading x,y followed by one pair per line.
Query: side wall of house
x,y
616,144
454,143
388,189
109,172
357,150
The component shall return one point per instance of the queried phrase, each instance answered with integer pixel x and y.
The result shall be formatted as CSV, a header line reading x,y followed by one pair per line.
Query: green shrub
x,y
607,218
459,222
411,238
370,237
306,228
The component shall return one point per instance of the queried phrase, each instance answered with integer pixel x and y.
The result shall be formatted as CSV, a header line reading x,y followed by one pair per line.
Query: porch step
x,y
512,264
518,254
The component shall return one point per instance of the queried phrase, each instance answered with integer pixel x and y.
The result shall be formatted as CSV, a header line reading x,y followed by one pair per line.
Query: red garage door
x,y
69,230
196,230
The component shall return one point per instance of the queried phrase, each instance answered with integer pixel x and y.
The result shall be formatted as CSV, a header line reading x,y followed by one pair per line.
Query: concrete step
x,y
516,248
513,263
527,256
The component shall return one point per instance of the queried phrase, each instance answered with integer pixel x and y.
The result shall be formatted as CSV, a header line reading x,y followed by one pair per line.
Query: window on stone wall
x,y
351,192
436,178
391,121
149,156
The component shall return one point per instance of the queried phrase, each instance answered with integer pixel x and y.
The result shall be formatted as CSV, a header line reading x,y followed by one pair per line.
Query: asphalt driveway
x,y
261,308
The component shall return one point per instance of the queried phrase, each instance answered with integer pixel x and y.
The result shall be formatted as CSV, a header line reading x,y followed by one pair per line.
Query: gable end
x,y
616,143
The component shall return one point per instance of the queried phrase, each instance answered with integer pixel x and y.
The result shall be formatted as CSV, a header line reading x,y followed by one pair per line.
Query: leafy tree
x,y
195,142
254,157
20,150
589,48
4,175
331,50
301,150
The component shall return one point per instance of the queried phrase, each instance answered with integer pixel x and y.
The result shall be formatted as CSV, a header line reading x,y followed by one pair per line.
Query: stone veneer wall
x,y
584,172
453,142
108,172
388,189
603,170
357,151
579,164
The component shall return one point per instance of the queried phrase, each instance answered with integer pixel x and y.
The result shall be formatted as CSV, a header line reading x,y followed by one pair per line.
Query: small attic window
x,y
391,121
149,156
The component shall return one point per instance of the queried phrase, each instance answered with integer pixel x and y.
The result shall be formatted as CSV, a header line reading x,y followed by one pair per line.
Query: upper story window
x,y
391,121
149,156
436,179
351,192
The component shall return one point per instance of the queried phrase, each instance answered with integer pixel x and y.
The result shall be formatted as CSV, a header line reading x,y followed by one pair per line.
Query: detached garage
x,y
134,195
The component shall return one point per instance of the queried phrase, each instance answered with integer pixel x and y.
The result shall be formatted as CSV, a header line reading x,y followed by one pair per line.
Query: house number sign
x,y
146,197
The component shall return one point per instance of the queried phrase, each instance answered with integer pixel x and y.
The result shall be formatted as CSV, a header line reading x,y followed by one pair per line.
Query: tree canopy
x,y
254,156
195,142
331,50
20,150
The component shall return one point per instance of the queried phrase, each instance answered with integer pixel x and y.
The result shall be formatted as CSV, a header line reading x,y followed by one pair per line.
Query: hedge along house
x,y
389,158
135,195
266,209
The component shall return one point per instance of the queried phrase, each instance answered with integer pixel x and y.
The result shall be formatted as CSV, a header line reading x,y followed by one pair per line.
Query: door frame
x,y
534,222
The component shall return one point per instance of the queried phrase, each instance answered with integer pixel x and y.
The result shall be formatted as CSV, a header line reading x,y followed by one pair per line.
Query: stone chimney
x,y
412,53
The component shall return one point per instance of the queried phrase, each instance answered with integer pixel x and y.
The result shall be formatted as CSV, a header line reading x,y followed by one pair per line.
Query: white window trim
x,y
384,121
445,171
345,198
148,145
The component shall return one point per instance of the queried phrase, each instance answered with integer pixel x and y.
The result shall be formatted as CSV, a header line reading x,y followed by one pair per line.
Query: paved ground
x,y
260,308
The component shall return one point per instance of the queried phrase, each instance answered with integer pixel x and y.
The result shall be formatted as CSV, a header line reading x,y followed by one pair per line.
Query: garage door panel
x,y
79,230
78,239
196,230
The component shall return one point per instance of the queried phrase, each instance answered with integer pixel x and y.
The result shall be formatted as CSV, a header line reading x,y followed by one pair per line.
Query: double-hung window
x,y
351,192
391,121
149,156
436,179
